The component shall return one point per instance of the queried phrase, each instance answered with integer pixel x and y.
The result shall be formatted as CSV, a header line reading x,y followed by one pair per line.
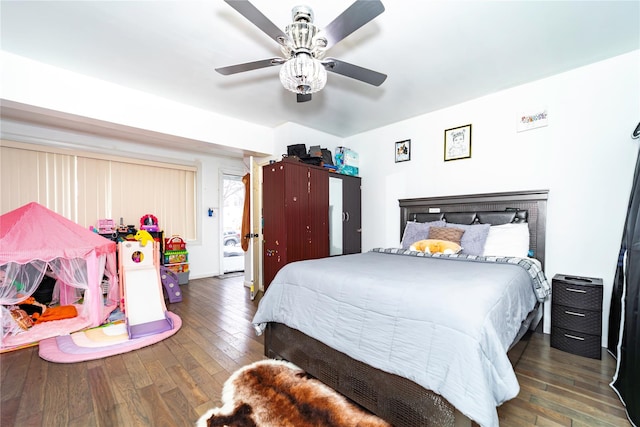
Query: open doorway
x,y
233,191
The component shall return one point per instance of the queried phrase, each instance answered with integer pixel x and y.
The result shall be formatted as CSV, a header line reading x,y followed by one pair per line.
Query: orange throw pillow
x,y
57,313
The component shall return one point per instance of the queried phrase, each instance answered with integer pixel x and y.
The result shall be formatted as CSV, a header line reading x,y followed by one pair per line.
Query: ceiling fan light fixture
x,y
306,37
303,74
303,46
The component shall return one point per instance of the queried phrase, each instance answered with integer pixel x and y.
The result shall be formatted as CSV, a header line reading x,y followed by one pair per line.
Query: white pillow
x,y
508,240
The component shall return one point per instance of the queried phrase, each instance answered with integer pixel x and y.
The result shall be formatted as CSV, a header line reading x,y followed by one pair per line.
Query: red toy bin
x,y
174,243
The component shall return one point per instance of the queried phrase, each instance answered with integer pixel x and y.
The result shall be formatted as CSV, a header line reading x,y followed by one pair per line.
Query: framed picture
x,y
403,150
457,143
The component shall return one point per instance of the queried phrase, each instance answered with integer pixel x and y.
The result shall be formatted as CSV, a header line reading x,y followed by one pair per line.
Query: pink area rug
x,y
46,330
99,342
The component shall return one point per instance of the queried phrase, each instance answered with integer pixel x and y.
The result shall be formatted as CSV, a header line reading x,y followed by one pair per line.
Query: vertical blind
x,y
85,187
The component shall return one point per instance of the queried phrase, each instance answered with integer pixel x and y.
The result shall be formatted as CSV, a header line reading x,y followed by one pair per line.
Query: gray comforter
x,y
443,322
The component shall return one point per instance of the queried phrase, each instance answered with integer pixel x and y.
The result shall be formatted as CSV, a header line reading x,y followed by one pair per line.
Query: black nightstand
x,y
576,315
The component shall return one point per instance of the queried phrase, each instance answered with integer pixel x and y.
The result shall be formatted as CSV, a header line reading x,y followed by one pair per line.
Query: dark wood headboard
x,y
529,206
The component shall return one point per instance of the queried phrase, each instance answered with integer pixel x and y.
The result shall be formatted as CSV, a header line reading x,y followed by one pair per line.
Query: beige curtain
x,y
85,187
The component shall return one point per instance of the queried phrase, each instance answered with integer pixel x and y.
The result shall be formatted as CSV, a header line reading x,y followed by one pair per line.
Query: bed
x,y
415,355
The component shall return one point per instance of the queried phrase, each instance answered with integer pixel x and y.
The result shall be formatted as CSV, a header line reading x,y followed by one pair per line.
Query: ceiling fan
x,y
303,45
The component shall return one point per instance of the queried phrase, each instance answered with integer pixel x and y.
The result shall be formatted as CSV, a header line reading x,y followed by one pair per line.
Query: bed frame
x,y
395,399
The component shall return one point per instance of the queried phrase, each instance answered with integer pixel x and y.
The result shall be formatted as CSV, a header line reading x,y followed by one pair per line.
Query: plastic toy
x,y
175,243
170,282
144,237
149,222
106,226
144,307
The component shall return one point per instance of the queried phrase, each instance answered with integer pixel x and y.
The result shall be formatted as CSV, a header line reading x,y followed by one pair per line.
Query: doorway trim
x,y
222,174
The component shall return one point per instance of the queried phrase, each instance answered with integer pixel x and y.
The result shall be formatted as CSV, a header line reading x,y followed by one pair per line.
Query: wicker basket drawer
x,y
576,319
574,293
576,342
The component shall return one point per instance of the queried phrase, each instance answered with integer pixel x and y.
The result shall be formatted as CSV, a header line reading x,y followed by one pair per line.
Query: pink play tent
x,y
34,238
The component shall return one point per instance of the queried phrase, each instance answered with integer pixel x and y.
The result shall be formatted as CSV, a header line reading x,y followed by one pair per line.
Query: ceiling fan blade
x,y
355,72
303,97
248,66
354,17
258,19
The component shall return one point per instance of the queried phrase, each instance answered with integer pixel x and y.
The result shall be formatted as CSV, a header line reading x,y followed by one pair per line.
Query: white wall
x,y
33,83
584,157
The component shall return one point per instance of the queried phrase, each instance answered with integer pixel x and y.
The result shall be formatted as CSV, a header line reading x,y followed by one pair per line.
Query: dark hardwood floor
x,y
172,382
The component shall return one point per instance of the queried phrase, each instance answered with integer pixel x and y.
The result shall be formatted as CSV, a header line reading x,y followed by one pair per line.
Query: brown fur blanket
x,y
272,393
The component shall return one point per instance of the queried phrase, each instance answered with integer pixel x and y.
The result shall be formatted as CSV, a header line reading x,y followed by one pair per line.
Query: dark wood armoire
x,y
295,209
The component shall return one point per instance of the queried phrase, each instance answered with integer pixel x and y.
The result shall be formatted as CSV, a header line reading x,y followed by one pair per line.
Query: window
x,y
85,187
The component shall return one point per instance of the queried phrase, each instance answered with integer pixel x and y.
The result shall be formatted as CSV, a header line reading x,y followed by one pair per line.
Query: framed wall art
x,y
457,143
403,150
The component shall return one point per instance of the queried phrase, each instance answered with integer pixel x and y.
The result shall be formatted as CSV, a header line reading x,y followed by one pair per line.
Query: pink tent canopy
x,y
34,238
35,232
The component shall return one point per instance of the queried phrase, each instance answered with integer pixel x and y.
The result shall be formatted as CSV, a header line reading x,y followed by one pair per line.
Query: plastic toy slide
x,y
144,307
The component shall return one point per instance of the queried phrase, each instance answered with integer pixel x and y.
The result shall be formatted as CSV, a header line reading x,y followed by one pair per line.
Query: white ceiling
x,y
436,53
